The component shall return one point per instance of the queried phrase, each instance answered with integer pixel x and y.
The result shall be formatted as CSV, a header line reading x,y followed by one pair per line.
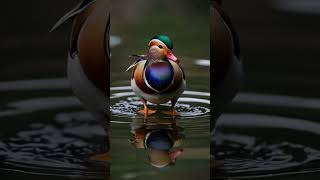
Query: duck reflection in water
x,y
162,140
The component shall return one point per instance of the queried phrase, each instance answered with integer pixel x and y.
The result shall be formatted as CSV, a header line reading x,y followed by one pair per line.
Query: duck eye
x,y
160,46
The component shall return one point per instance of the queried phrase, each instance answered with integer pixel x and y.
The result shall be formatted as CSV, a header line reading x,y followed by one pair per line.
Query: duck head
x,y
160,47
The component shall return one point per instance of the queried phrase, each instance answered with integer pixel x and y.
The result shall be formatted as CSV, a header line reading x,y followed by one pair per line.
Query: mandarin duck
x,y
89,56
225,54
158,77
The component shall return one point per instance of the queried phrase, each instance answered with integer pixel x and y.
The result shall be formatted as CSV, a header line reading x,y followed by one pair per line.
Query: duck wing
x,y
89,41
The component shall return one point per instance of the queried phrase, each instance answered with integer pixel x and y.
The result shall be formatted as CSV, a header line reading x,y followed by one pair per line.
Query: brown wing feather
x,y
92,46
77,25
222,50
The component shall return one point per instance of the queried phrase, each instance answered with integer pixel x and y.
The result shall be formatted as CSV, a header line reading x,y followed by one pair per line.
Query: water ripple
x,y
189,105
248,151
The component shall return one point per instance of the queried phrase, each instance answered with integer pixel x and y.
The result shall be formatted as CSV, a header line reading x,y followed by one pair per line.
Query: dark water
x,y
49,135
267,145
271,131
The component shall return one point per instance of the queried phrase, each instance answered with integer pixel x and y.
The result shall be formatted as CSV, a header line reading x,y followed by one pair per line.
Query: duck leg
x,y
146,111
173,111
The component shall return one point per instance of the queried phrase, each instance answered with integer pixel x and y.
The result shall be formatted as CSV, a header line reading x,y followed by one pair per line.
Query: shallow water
x,y
128,161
